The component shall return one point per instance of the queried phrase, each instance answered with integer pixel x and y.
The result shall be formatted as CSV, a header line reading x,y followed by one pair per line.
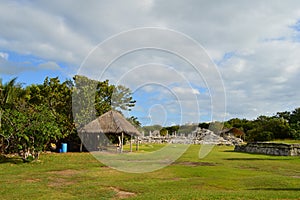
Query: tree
x,y
25,127
109,97
236,122
266,128
259,135
122,98
169,130
295,131
203,125
295,116
284,115
93,98
294,122
32,128
135,122
11,95
6,95
57,97
163,132
173,129
33,117
279,127
83,100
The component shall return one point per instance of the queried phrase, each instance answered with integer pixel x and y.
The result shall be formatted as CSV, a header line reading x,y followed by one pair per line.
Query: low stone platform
x,y
268,148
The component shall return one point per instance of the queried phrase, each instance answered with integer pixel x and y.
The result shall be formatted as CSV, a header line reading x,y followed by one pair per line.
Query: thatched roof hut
x,y
235,131
111,122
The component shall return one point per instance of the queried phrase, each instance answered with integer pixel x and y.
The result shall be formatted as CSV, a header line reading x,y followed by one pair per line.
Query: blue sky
x,y
30,69
255,47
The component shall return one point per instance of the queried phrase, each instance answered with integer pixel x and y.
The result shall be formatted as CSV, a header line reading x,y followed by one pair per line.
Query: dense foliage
x,y
169,130
283,125
33,117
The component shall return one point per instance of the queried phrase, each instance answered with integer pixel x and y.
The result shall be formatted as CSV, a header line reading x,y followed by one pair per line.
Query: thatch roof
x,y
110,122
235,131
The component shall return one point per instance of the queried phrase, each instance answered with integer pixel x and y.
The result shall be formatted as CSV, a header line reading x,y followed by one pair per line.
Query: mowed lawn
x,y
223,174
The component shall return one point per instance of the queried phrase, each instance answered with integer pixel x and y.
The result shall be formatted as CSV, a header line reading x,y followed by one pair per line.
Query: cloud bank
x,y
255,46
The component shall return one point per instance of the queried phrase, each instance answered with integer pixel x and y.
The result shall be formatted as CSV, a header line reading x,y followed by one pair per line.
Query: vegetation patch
x,y
59,182
121,194
67,172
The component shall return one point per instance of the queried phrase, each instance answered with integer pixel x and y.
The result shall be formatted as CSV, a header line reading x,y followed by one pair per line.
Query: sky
x,y
185,61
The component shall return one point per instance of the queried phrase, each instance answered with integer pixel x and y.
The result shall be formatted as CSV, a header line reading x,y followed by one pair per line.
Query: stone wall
x,y
277,149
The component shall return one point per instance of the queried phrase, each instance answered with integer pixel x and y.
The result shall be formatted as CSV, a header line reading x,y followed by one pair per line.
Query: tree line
x,y
282,125
33,117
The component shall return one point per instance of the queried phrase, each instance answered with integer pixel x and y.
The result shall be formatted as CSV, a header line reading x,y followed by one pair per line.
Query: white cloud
x,y
261,75
49,66
4,55
267,81
185,91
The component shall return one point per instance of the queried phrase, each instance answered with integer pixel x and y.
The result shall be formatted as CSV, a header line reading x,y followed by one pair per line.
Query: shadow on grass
x,y
12,160
276,189
270,157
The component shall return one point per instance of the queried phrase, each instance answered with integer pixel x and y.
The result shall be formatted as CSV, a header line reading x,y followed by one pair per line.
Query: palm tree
x,y
6,94
6,97
6,91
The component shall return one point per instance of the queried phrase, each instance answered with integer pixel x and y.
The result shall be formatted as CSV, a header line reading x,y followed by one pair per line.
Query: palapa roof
x,y
233,130
110,122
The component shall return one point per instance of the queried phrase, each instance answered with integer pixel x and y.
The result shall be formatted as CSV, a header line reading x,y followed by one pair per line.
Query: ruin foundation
x,y
276,149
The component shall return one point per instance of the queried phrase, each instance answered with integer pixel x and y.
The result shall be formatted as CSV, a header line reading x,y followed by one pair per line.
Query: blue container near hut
x,y
64,147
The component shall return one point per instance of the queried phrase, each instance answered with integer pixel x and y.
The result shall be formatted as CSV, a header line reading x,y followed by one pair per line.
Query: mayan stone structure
x,y
277,149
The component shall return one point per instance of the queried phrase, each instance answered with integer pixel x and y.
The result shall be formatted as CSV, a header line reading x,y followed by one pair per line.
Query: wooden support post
x,y
122,138
81,140
80,147
137,143
130,143
119,147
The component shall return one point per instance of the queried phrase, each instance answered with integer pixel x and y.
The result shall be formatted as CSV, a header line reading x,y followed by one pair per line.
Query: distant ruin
x,y
199,136
268,148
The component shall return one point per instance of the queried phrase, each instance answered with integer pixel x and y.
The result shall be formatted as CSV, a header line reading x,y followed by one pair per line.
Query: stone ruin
x,y
225,137
199,136
269,148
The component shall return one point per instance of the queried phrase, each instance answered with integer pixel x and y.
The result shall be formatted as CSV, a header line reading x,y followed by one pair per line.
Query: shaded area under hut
x,y
109,130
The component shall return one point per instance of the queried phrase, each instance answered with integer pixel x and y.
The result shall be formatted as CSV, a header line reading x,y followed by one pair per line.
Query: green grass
x,y
287,141
223,174
145,147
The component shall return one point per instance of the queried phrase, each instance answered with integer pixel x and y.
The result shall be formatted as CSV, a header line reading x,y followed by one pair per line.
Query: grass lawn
x,y
223,174
287,141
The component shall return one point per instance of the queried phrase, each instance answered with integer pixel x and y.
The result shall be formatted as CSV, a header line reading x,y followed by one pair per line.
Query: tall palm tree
x,y
6,91
6,94
6,97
